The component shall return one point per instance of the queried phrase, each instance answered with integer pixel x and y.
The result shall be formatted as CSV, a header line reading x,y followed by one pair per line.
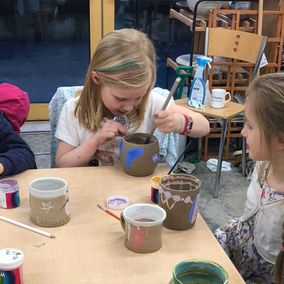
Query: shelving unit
x,y
233,75
243,20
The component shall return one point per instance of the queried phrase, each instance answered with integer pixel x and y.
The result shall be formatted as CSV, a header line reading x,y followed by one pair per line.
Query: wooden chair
x,y
241,50
236,58
237,82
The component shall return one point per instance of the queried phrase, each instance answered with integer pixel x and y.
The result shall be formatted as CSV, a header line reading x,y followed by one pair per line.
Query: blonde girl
x,y
119,82
253,241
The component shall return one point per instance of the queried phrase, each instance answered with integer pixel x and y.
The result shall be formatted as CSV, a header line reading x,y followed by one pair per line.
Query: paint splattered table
x,y
90,248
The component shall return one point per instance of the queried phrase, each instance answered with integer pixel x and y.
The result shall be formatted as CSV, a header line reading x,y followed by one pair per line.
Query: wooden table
x,y
90,248
229,111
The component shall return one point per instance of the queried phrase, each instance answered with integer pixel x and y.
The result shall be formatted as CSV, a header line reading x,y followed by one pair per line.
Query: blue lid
x,y
203,60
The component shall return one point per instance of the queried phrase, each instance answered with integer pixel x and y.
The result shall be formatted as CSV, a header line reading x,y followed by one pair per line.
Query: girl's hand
x,y
167,121
1,169
109,129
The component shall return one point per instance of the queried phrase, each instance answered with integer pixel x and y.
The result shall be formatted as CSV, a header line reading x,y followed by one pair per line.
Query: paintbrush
x,y
173,89
33,229
176,162
109,212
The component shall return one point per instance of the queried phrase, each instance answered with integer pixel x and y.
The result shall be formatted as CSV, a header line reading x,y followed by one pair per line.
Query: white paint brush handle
x,y
33,229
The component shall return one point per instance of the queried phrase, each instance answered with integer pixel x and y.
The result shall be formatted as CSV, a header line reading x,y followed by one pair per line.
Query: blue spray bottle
x,y
197,92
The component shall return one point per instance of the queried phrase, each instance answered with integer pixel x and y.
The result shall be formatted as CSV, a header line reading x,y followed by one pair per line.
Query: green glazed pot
x,y
201,271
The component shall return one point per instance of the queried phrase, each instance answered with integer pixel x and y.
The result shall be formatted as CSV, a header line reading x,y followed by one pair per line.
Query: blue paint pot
x,y
137,158
199,271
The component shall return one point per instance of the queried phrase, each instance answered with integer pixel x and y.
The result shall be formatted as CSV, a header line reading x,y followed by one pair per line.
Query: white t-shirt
x,y
71,132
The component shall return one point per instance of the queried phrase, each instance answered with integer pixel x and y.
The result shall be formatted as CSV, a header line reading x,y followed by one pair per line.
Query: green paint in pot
x,y
199,272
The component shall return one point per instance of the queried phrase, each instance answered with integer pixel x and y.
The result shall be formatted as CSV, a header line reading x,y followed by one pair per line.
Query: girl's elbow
x,y
61,164
203,126
206,128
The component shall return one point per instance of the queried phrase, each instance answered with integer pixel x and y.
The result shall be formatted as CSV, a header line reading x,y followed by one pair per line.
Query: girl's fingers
x,y
168,122
161,114
121,129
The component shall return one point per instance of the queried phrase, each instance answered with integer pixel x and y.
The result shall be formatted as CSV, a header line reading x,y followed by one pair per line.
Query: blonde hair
x,y
279,265
124,58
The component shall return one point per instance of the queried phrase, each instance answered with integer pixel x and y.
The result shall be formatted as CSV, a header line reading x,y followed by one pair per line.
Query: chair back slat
x,y
234,44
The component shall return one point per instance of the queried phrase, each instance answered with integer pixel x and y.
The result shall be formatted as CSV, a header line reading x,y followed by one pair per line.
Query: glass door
x,y
171,38
46,44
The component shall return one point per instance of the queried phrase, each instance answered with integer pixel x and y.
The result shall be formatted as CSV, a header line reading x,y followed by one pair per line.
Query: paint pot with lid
x,y
49,202
9,193
11,262
155,184
117,202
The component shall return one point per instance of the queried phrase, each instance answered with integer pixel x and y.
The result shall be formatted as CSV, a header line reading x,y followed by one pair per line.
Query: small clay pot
x,y
137,158
49,202
178,195
142,224
199,271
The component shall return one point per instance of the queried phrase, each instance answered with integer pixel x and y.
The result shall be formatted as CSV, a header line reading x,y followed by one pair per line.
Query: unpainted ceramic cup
x,y
201,271
178,195
49,202
137,158
143,224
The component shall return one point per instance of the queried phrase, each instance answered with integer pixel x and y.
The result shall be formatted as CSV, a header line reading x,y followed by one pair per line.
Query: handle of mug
x,y
228,93
122,221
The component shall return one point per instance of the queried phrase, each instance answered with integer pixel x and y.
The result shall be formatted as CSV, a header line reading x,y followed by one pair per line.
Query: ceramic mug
x,y
49,202
199,271
218,98
178,195
143,224
137,158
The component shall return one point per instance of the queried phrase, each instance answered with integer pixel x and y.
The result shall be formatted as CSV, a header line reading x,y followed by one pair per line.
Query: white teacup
x,y
218,98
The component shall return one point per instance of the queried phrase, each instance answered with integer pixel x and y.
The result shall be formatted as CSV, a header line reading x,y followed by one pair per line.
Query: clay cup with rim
x,y
137,158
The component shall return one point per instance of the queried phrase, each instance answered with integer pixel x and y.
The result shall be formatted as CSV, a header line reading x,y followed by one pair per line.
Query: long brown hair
x,y
267,93
279,265
124,58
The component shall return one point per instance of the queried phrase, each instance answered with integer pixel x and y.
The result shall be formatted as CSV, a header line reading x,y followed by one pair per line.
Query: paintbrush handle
x,y
172,91
176,162
112,214
33,229
108,212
